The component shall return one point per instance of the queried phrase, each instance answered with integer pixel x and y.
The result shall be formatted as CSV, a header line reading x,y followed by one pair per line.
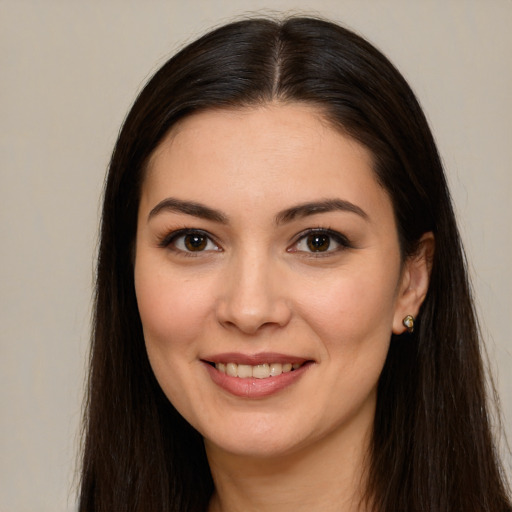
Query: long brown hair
x,y
432,449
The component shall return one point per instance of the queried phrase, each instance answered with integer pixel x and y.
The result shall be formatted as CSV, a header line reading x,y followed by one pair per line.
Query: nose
x,y
253,295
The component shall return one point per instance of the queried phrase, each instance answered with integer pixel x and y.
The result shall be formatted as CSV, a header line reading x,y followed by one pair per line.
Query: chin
x,y
260,440
261,447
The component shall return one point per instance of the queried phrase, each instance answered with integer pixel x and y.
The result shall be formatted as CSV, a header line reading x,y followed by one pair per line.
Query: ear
x,y
414,282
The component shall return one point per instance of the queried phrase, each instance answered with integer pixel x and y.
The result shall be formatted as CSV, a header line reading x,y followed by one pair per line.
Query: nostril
x,y
251,318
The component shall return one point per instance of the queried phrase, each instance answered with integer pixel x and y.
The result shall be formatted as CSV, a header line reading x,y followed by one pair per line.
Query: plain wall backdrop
x,y
69,72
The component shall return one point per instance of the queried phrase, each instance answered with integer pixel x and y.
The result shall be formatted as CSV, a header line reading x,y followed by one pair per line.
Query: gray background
x,y
69,72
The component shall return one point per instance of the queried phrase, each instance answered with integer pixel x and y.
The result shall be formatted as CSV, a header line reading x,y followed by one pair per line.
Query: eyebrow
x,y
188,208
324,206
299,211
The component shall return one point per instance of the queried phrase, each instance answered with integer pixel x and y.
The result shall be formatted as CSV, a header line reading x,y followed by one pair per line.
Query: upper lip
x,y
254,359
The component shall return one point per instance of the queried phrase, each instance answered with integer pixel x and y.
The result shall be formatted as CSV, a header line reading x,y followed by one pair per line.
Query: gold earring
x,y
408,322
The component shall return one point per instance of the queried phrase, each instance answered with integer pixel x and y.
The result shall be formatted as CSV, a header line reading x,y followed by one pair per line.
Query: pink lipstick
x,y
255,376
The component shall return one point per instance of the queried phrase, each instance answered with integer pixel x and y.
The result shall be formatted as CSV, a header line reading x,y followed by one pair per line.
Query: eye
x,y
189,241
320,241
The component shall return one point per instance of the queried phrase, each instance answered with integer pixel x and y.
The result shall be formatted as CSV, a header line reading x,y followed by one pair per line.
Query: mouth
x,y
258,371
258,375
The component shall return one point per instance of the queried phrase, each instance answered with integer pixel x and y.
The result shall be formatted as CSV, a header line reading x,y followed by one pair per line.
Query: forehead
x,y
288,152
273,125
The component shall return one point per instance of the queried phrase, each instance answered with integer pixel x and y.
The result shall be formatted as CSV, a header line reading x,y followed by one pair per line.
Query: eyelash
x,y
342,241
169,241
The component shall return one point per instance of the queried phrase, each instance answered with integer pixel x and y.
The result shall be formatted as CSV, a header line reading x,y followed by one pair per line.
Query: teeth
x,y
275,369
232,369
259,371
262,371
244,371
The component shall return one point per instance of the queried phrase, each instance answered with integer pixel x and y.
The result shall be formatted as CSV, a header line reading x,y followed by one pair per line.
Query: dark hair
x,y
432,448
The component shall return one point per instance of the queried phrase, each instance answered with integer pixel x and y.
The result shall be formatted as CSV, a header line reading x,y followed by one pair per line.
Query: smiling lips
x,y
259,371
255,376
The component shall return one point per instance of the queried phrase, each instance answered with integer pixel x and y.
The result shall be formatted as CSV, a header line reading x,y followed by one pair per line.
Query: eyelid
x,y
168,240
342,241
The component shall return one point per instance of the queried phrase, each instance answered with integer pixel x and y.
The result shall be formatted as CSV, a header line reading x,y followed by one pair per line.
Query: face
x,y
268,278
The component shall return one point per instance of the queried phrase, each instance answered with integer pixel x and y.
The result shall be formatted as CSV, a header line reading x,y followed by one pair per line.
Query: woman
x,y
283,317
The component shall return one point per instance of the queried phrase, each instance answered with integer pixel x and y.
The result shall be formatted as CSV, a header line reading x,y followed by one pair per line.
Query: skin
x,y
257,286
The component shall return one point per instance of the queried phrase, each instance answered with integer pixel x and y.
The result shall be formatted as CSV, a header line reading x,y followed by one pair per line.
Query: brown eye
x,y
190,241
318,242
195,242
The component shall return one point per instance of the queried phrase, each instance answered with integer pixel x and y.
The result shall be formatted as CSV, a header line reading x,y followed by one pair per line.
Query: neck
x,y
329,476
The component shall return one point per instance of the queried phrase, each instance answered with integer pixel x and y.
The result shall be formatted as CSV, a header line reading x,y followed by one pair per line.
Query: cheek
x,y
173,310
174,313
352,310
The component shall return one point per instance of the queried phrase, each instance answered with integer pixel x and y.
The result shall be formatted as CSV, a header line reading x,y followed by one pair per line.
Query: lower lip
x,y
256,388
